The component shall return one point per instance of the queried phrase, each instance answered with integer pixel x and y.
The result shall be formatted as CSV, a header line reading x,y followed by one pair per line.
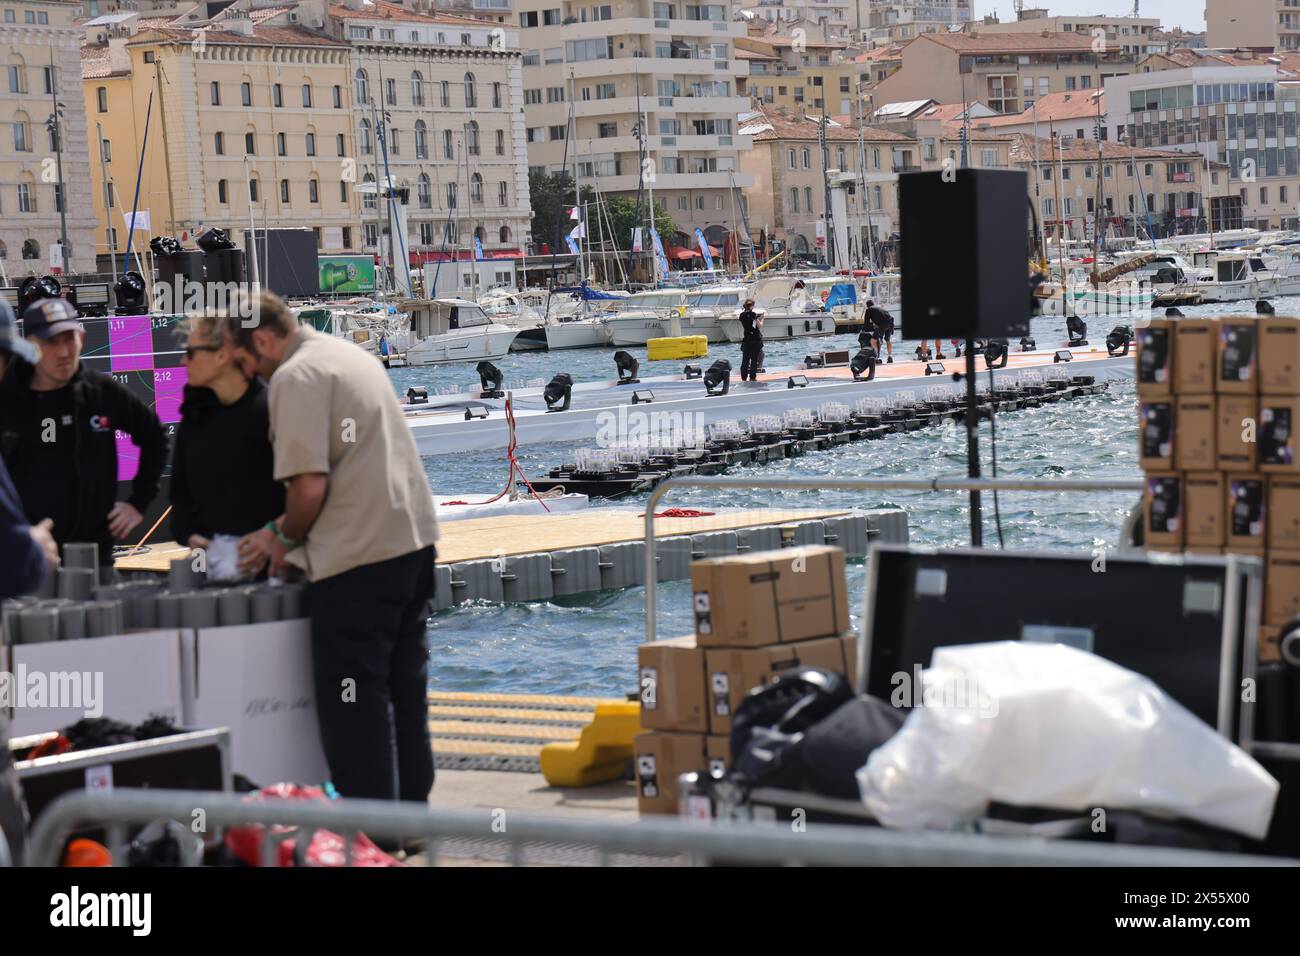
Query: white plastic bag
x,y
1049,725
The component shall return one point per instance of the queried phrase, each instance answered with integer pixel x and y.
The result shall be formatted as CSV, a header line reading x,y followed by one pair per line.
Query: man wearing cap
x,y
751,343
29,555
58,426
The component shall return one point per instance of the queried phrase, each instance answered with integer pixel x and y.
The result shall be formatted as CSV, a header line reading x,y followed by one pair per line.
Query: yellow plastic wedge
x,y
679,347
600,753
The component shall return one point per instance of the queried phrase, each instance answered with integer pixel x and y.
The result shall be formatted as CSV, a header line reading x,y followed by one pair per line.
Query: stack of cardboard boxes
x,y
756,616
1218,405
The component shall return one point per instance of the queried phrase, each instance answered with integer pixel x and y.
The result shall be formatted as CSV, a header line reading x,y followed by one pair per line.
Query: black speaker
x,y
188,264
964,253
224,265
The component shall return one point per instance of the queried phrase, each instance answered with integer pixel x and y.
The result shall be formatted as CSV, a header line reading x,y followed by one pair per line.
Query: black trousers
x,y
368,626
750,355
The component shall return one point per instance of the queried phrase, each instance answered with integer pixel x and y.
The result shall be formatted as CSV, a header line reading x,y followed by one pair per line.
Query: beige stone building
x,y
800,74
1130,35
891,21
39,44
245,120
1259,24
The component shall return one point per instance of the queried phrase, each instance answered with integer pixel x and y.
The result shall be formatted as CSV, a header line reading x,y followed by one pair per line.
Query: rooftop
x,y
993,43
1028,149
262,36
777,125
1075,104
382,10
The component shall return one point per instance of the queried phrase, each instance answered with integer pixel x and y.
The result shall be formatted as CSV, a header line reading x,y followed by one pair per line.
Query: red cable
x,y
513,465
682,513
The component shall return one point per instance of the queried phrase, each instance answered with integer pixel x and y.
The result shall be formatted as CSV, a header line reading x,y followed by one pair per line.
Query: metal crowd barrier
x,y
684,841
853,484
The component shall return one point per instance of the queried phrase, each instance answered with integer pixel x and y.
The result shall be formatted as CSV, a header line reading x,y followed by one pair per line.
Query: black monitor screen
x,y
1162,619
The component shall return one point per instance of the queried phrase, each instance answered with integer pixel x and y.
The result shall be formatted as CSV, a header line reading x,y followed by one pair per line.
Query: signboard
x,y
1187,213
342,275
1180,177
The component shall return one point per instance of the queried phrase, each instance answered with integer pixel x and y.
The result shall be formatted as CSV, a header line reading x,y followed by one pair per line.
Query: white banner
x,y
140,221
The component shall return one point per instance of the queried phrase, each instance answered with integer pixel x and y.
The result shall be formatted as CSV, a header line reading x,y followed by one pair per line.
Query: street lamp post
x,y
54,125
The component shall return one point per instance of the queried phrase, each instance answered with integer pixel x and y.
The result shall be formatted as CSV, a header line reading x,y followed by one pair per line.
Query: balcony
x,y
900,168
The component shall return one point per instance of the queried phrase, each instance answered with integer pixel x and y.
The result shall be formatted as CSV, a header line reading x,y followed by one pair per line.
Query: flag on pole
x,y
478,249
573,245
137,220
575,213
579,231
659,251
636,240
704,248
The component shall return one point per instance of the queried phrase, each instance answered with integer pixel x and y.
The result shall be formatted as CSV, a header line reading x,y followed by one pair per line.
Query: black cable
x,y
993,441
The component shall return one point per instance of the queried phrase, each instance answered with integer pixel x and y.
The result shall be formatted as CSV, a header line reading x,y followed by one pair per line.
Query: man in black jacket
x,y
881,326
58,425
751,343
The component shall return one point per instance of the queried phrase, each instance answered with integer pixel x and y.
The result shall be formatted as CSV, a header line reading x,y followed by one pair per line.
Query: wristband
x,y
274,528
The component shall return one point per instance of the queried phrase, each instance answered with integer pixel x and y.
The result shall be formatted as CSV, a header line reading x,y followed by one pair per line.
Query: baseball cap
x,y
10,341
46,318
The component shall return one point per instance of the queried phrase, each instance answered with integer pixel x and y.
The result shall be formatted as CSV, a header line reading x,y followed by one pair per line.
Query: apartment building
x,y
830,17
676,63
892,21
448,91
1243,116
1007,71
800,74
1073,114
1257,24
39,43
1140,190
1131,35
244,121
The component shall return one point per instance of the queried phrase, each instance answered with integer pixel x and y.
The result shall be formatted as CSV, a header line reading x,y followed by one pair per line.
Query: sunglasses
x,y
191,349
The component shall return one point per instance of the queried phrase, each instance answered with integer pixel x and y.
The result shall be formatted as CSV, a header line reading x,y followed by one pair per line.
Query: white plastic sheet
x,y
1052,726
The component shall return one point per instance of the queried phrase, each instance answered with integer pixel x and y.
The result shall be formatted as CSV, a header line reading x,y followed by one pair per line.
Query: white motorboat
x,y
791,305
507,307
656,314
1245,276
454,330
576,333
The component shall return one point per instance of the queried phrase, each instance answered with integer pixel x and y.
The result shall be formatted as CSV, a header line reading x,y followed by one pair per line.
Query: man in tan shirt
x,y
360,522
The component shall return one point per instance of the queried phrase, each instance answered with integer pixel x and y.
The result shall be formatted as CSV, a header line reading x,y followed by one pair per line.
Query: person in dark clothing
x,y
881,324
58,425
29,554
223,463
751,344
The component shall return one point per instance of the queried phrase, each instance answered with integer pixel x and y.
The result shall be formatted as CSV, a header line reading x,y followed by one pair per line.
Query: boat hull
x,y
462,345
784,328
639,331
582,334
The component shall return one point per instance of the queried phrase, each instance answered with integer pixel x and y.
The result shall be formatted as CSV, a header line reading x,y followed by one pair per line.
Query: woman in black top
x,y
751,345
222,465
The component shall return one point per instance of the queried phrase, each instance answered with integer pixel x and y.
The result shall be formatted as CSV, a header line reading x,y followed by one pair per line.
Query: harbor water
x,y
587,645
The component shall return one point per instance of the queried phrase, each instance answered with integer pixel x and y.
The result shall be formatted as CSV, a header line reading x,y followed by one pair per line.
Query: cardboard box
x,y
1245,513
1194,356
1269,652
1235,440
1237,366
717,751
1163,511
1282,587
1155,359
734,672
770,597
1278,417
1279,355
1156,435
670,675
1284,512
1203,504
660,757
1197,424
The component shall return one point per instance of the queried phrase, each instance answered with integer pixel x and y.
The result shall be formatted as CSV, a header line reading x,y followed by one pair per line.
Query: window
x,y
340,143
101,99
364,138
532,97
558,132
214,89
794,199
347,237
219,143
471,133
22,142
313,190
394,146
447,151
503,195
277,96
112,241
605,91
501,142
363,87
390,91
1282,193
792,157
311,144
426,233
17,80
555,94
25,203
254,192
281,148
106,150
805,158
343,197
421,140
606,130
417,88
504,234
284,191
476,188
338,97
496,96
807,198
451,195
306,96
1263,194
246,93
471,94
424,192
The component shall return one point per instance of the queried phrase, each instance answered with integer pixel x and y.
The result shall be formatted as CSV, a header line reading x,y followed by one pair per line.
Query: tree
x,y
551,195
622,214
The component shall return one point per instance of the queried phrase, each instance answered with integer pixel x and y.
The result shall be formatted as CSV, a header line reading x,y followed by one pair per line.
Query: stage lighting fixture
x,y
416,395
1117,343
996,353
34,288
1078,330
717,380
692,372
476,411
797,381
558,392
213,240
864,361
1062,355
1172,313
489,378
934,368
1027,344
1264,307
130,292
165,246
627,368
1288,644
642,395
813,361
